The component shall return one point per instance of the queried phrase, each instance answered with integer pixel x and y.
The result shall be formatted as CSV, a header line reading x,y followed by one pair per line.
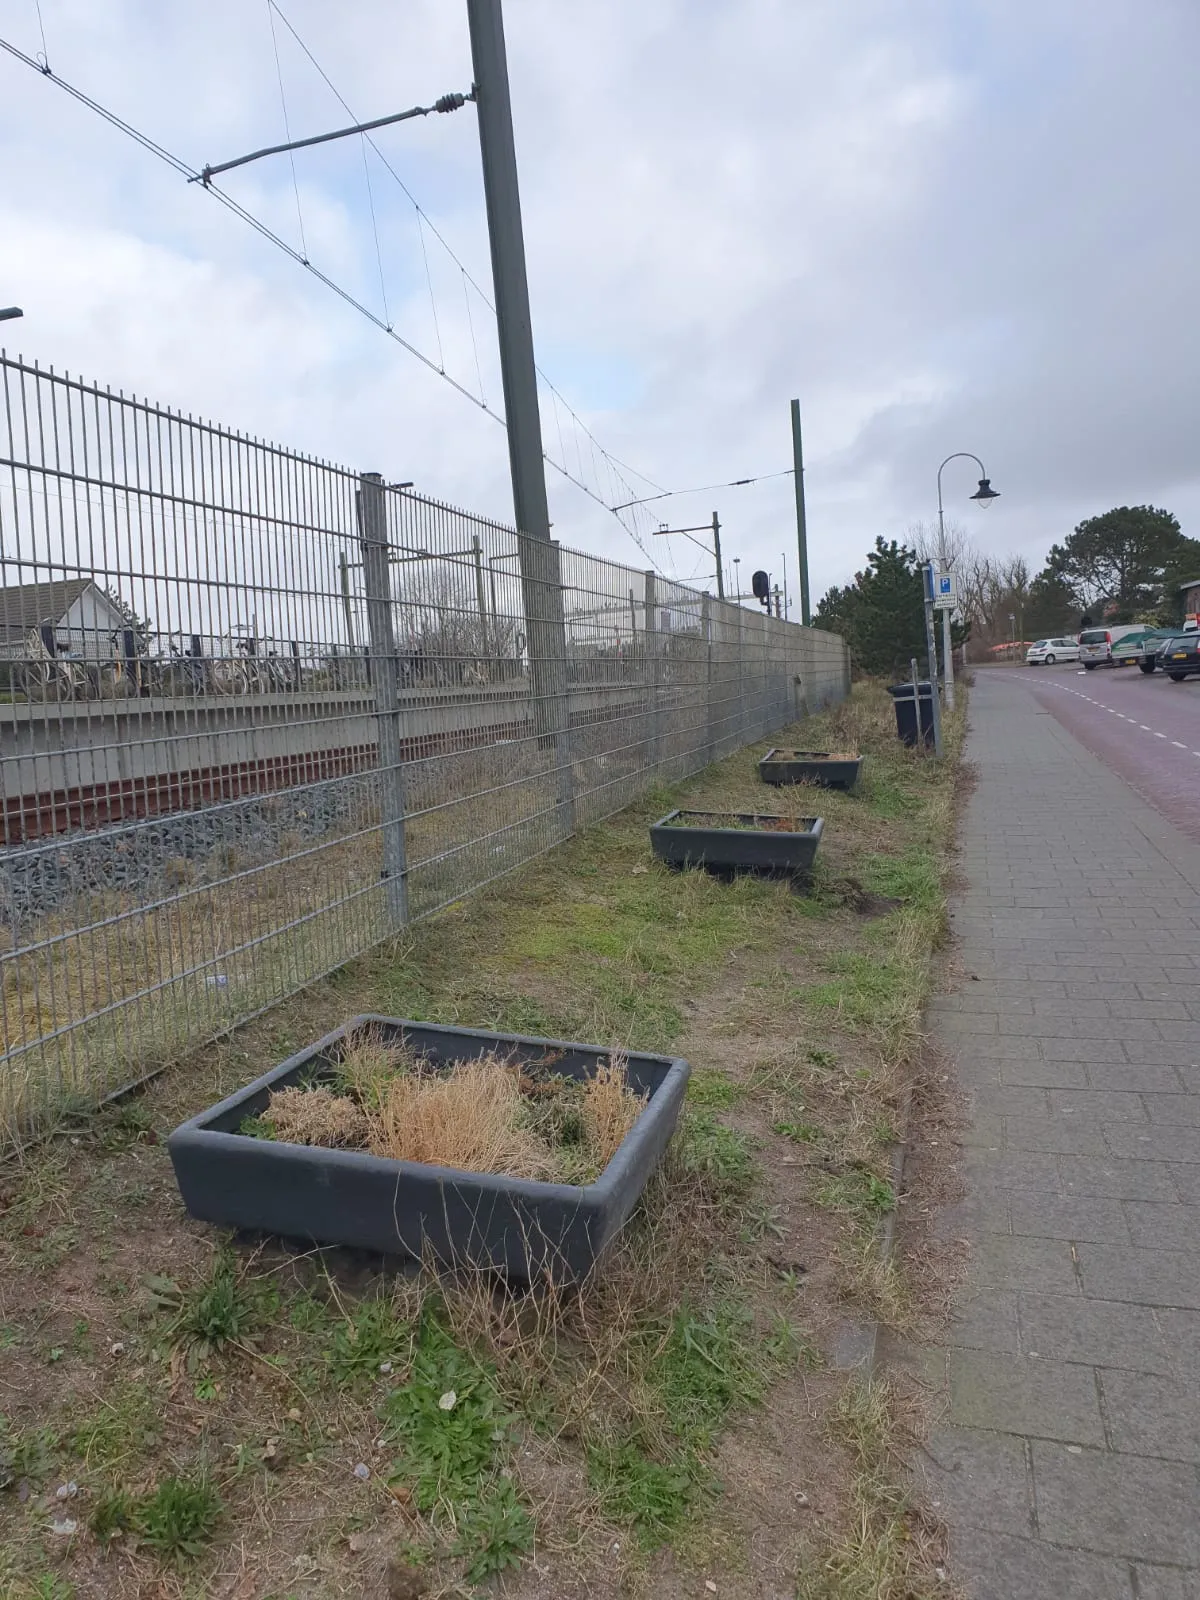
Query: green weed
x,y
651,1497
179,1519
307,1313
864,991
713,1090
719,1156
761,1222
256,1127
372,1338
126,1123
208,1317
799,1132
51,1586
887,796
26,1453
786,1346
912,879
114,1512
705,1366
857,1193
493,1533
447,1422
710,1365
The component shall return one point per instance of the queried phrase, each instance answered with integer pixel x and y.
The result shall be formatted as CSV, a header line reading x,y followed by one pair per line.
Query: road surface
x,y
1146,729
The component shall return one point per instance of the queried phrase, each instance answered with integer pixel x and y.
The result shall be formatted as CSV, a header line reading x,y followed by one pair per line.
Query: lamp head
x,y
985,494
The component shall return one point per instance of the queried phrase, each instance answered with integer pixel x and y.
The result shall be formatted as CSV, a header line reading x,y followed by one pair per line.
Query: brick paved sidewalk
x,y
1067,1465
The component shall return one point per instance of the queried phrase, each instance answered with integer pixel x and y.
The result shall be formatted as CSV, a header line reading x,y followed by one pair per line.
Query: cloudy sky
x,y
942,224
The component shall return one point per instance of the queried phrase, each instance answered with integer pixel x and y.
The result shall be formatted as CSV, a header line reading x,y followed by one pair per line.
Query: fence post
x,y
485,648
382,665
706,623
540,566
741,677
652,669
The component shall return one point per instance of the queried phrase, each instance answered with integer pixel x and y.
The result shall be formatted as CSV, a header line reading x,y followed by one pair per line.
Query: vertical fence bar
x,y
741,675
653,672
377,581
706,636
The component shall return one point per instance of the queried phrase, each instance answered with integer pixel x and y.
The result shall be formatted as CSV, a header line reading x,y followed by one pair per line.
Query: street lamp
x,y
737,577
1012,628
9,313
983,496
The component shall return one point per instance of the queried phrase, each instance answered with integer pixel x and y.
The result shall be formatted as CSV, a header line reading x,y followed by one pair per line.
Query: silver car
x,y
1095,644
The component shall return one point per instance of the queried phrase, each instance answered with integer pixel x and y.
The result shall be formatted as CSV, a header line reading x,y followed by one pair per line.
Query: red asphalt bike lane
x,y
1143,727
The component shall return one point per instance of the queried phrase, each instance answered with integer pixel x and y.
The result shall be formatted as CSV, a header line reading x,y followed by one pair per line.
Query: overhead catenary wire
x,y
704,488
208,171
45,56
193,174
426,221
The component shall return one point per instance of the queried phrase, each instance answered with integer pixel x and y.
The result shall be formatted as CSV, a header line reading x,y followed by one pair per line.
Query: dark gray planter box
x,y
521,1229
746,849
809,766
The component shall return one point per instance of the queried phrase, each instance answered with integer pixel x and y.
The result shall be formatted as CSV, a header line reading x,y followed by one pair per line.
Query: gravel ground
x,y
155,857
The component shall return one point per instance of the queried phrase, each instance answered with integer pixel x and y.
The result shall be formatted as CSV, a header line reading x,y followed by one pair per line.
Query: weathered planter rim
x,y
779,753
815,830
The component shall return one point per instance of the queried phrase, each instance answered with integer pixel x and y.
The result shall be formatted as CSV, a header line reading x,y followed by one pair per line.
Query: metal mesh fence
x,y
257,712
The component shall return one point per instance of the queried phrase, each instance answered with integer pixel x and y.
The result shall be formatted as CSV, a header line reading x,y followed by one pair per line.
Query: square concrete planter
x,y
682,839
810,766
521,1229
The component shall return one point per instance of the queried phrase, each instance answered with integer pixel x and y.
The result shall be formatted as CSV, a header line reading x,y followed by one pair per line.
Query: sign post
x,y
945,600
932,580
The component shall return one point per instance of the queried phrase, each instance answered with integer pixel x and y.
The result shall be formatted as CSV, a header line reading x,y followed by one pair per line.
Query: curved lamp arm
x,y
959,455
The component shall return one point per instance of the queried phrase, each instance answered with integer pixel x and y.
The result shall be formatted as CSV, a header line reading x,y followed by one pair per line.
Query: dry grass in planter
x,y
486,1114
472,1118
318,1116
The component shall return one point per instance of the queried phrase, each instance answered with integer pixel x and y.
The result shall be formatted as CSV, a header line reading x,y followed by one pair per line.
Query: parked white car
x,y
1047,651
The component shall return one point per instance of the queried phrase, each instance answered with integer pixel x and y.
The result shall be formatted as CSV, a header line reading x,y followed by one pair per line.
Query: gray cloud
x,y
945,224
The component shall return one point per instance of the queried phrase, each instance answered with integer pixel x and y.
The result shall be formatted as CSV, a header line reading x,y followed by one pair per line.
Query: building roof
x,y
24,606
1192,583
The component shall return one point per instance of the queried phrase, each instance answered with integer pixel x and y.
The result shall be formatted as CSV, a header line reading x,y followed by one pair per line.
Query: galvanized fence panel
x,y
257,712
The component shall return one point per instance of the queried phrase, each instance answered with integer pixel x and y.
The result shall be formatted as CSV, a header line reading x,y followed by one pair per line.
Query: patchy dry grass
x,y
481,1114
246,1422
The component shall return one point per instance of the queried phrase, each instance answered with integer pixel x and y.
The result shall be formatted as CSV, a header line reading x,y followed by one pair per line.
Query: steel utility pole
x,y
541,582
801,519
717,549
704,527
514,324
